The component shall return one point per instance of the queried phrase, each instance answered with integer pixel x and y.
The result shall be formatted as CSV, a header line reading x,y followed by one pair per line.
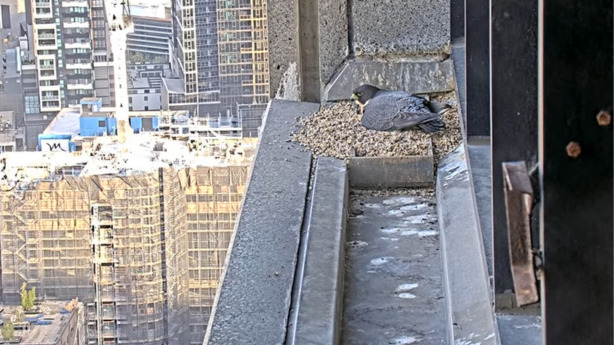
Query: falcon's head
x,y
364,93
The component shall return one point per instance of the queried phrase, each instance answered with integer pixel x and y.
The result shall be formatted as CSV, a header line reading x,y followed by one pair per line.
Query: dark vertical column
x,y
457,19
309,50
513,119
478,91
576,162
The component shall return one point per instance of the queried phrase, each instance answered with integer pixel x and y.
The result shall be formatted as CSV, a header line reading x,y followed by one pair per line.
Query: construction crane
x,y
120,25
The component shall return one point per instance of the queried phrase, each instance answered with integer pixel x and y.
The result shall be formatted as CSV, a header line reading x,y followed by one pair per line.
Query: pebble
x,y
335,131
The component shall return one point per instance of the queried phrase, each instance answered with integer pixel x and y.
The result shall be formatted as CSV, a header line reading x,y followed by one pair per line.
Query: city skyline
x,y
59,52
141,246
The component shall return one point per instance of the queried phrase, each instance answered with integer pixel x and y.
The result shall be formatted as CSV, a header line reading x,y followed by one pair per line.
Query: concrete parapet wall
x,y
319,36
253,302
333,23
282,20
415,77
400,27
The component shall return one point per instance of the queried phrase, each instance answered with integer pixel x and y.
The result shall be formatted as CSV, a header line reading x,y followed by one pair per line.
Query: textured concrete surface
x,y
282,23
468,294
391,172
415,77
520,329
312,34
393,287
309,36
319,308
323,34
333,27
458,59
400,26
478,150
253,302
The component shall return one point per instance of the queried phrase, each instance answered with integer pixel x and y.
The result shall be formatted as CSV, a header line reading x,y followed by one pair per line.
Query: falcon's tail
x,y
433,126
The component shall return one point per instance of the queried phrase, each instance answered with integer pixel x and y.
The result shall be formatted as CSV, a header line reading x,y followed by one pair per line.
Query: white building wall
x,y
152,100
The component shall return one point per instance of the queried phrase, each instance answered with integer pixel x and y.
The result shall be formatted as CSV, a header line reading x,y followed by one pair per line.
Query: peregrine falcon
x,y
384,110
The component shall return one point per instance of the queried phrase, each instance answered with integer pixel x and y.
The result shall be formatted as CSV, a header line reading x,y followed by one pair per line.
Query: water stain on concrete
x,y
393,286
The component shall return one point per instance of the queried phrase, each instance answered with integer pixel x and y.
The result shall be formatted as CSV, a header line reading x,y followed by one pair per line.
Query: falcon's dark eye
x,y
359,93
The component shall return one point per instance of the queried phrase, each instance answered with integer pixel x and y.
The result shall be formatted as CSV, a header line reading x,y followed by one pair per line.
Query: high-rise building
x,y
136,233
193,58
243,52
219,56
152,33
102,55
71,52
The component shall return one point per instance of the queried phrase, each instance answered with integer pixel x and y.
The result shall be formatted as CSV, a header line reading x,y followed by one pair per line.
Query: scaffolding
x,y
144,251
45,237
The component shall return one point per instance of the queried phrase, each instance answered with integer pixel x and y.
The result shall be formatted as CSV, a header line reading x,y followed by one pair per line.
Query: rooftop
x,y
66,122
47,334
139,83
174,85
140,154
154,11
12,64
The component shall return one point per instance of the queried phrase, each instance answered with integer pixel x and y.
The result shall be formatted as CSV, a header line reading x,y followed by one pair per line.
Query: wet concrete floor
x,y
393,281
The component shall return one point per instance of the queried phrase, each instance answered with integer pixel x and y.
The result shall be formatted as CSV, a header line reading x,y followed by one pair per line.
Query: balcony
x,y
78,45
46,36
40,14
88,86
49,88
70,75
50,106
83,25
42,75
46,67
42,3
46,45
46,56
75,3
78,66
43,26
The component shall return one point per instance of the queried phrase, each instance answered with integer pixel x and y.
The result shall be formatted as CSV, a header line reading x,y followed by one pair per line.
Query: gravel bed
x,y
335,131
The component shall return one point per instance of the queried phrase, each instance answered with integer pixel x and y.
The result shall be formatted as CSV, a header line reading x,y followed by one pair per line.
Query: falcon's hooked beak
x,y
356,99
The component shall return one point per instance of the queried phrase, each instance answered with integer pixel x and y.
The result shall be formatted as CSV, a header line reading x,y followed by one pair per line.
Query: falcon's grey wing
x,y
378,114
398,111
406,120
422,100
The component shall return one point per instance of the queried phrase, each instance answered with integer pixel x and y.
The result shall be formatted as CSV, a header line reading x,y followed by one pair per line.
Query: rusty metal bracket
x,y
518,203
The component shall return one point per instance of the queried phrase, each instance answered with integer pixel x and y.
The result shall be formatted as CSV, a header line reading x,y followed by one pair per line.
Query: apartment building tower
x,y
70,47
219,56
152,32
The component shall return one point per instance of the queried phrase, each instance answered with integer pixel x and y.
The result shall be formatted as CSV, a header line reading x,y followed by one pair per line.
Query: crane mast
x,y
120,25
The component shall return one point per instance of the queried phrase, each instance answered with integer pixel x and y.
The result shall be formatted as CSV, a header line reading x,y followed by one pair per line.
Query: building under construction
x,y
138,231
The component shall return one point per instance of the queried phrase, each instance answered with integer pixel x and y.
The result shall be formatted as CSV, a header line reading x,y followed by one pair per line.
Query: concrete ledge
x,y
319,307
471,317
391,172
415,77
252,304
